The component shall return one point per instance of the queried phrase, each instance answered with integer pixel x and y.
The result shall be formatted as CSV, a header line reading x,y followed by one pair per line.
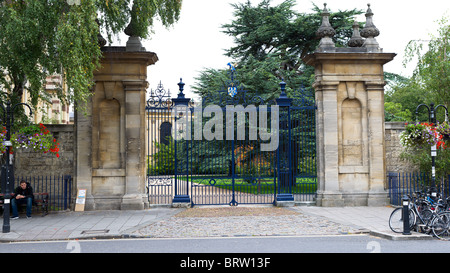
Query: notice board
x,y
81,200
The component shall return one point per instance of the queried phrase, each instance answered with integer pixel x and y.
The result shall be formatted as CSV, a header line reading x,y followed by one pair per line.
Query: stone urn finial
x,y
325,31
134,42
101,41
370,32
356,40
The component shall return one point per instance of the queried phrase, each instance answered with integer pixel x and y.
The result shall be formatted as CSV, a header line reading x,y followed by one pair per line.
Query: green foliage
x,y
163,161
395,112
430,80
418,139
421,158
270,42
260,186
264,29
117,14
402,98
39,38
433,66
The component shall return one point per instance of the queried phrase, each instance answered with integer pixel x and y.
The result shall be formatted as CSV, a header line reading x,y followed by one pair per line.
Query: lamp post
x,y
181,105
8,116
432,119
285,175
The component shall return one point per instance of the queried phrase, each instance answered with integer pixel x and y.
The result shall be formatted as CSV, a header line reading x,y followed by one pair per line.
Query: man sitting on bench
x,y
22,195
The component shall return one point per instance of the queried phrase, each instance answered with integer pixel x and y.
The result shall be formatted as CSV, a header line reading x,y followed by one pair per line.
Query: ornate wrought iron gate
x,y
233,168
160,147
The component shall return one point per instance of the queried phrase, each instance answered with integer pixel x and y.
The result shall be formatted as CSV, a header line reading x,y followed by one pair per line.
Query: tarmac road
x,y
362,243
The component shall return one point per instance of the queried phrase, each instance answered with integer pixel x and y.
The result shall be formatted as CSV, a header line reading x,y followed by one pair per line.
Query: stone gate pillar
x,y
111,135
349,85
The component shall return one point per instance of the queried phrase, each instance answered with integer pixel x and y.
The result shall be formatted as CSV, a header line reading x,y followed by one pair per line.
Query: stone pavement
x,y
206,221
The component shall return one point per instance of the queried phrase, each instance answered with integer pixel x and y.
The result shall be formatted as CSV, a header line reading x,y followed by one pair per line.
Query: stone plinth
x,y
350,126
111,135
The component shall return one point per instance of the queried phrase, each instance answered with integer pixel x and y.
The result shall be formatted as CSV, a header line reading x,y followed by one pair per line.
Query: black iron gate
x,y
242,158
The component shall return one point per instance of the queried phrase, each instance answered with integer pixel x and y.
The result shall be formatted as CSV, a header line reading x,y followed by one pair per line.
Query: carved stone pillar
x,y
111,135
350,127
349,84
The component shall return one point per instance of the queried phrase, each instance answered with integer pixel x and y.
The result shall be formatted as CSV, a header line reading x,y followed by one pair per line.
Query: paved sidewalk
x,y
82,225
374,220
205,221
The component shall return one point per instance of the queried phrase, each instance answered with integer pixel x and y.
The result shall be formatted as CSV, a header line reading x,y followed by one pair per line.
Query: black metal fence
x,y
59,188
401,184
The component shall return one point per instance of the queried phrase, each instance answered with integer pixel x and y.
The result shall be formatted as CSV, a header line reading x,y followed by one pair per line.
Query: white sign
x,y
81,200
81,197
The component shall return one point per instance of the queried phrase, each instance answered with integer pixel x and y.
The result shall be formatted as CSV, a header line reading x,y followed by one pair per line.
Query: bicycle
x,y
396,219
421,212
432,215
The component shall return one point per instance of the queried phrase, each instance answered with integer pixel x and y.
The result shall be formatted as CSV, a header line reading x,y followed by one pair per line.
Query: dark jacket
x,y
28,191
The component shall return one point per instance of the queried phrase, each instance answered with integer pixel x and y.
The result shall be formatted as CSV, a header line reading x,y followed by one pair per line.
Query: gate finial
x,y
325,31
356,40
181,85
283,89
370,32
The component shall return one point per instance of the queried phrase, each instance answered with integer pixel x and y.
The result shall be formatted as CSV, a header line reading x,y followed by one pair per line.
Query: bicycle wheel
x,y
396,220
440,225
427,216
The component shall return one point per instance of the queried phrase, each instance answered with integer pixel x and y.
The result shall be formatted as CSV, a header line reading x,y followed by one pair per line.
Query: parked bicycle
x,y
428,213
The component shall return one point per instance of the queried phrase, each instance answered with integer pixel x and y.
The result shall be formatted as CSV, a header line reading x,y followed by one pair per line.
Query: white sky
x,y
196,42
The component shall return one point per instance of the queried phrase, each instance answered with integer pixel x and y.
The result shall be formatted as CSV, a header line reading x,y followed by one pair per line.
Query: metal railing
x,y
401,184
59,188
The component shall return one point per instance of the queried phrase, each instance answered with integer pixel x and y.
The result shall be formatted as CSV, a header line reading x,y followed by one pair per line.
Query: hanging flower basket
x,y
414,135
425,134
444,130
36,137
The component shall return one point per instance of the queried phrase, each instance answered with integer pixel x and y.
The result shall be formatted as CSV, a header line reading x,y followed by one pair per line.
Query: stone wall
x,y
394,149
30,163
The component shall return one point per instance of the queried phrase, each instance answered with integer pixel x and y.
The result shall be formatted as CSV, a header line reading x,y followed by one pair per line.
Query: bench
x,y
40,201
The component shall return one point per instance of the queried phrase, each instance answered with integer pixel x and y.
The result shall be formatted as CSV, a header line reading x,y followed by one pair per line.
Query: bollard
x,y
405,211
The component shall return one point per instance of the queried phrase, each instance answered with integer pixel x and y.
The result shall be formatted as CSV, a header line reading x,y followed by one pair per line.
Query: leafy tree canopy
x,y
430,82
270,42
433,67
42,37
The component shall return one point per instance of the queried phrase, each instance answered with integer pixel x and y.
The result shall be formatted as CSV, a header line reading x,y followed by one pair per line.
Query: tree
x,y
270,42
430,83
430,80
432,72
42,37
402,96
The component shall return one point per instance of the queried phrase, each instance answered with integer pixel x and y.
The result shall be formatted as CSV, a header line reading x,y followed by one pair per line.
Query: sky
x,y
196,42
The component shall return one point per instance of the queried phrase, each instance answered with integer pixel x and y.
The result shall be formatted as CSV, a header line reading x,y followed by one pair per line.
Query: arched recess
x,y
109,134
352,130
